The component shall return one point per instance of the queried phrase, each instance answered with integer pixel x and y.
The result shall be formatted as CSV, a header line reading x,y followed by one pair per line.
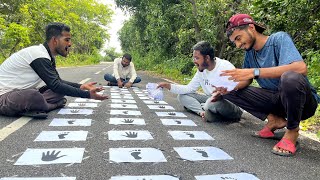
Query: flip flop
x,y
286,144
266,133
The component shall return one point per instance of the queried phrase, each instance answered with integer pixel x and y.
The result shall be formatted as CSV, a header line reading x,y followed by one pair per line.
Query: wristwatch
x,y
256,73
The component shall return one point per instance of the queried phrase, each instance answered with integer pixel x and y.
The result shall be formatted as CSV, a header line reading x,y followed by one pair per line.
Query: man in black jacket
x,y
22,72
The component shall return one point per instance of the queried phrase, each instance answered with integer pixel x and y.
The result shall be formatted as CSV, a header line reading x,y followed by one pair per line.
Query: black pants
x,y
293,100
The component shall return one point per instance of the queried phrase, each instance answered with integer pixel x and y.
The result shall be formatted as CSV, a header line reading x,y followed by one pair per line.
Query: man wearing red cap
x,y
286,96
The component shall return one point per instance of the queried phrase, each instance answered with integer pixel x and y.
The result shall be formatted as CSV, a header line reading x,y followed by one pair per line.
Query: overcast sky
x,y
117,22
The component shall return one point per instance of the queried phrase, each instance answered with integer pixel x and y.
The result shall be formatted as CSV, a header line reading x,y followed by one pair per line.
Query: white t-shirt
x,y
203,79
16,72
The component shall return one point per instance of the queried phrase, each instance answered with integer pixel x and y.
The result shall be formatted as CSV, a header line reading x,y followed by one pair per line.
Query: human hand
x,y
120,84
88,86
128,84
94,95
164,85
217,93
238,74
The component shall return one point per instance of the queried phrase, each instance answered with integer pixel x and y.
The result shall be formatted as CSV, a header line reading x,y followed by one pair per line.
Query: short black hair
x,y
127,56
55,29
205,48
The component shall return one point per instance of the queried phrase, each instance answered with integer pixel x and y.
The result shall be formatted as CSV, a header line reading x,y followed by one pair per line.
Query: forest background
x,y
160,33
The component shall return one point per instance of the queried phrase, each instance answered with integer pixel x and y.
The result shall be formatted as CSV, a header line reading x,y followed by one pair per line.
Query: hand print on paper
x,y
128,121
75,111
189,134
51,157
131,134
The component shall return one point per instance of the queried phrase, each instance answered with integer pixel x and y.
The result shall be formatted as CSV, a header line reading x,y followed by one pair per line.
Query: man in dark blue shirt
x,y
285,96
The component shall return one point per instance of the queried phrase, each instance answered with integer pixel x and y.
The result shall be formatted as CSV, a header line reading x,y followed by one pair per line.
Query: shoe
x,y
287,145
266,133
35,114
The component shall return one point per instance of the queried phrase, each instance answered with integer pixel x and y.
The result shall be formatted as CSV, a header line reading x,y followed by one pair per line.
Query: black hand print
x,y
131,134
163,107
51,157
75,111
171,113
124,105
125,112
128,121
82,104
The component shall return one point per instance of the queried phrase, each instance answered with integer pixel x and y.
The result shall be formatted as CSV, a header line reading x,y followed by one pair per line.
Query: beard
x,y
62,51
252,40
203,66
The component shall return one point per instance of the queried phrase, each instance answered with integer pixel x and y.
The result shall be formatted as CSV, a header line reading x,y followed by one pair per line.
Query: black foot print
x,y
202,152
81,104
178,122
63,135
162,107
71,122
190,134
125,112
136,153
156,102
171,113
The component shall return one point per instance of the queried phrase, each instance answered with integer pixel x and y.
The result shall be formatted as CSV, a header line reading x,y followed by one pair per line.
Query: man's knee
x,y
137,80
291,79
108,77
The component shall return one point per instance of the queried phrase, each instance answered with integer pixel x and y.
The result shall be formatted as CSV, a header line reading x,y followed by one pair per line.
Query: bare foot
x,y
201,114
292,135
275,122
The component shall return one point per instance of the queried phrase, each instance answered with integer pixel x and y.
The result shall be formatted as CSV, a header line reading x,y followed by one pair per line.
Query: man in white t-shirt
x,y
124,73
24,70
209,70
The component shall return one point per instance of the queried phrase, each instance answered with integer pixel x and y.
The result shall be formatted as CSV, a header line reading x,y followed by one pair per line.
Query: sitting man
x,y
209,69
124,73
285,96
24,70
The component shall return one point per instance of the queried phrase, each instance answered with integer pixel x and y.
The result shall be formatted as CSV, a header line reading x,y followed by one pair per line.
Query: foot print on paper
x,y
189,134
71,122
75,111
63,135
136,153
229,178
178,122
202,152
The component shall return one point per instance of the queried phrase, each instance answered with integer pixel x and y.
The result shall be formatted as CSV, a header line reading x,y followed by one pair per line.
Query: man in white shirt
x,y
124,73
209,69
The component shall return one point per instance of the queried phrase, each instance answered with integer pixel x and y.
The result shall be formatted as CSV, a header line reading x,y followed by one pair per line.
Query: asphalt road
x,y
249,154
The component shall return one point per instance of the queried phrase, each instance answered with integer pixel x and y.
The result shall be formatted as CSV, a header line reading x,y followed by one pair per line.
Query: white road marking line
x,y
11,128
84,81
98,72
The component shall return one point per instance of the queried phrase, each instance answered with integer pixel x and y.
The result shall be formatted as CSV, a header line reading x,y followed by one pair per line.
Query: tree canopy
x,y
22,23
160,33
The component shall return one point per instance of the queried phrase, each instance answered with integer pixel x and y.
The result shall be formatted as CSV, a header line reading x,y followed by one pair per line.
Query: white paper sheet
x,y
129,135
171,114
51,156
202,153
76,111
124,106
190,135
125,112
162,107
178,122
62,136
128,121
236,176
70,122
136,155
83,105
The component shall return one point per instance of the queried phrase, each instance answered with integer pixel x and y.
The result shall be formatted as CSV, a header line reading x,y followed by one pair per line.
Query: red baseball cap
x,y
243,19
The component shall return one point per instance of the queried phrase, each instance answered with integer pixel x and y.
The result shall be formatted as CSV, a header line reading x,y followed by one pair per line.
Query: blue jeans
x,y
113,80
